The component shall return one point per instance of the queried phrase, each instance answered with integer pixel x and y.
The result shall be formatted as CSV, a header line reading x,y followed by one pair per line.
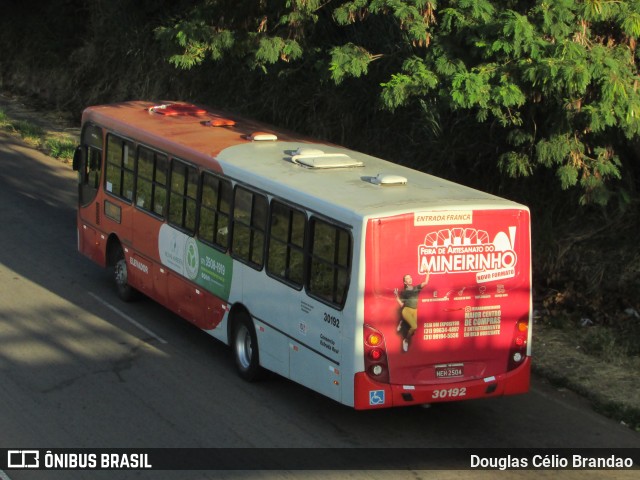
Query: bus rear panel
x,y
447,307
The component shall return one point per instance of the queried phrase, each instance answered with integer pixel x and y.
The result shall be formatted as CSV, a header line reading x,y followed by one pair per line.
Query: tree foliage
x,y
555,81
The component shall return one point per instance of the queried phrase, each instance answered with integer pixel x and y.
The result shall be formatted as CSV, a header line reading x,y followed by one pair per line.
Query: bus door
x,y
88,163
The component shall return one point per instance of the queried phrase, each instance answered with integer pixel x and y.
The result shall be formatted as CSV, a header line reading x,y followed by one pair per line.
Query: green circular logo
x,y
191,259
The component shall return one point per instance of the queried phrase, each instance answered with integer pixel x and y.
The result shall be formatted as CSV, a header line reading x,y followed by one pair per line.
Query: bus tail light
x,y
518,351
375,355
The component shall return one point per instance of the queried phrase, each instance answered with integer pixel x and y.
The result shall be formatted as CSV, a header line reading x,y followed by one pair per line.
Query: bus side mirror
x,y
77,158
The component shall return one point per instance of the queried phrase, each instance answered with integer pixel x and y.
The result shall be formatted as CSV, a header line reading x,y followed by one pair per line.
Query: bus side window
x,y
183,196
120,170
329,262
285,258
151,184
215,209
249,225
160,184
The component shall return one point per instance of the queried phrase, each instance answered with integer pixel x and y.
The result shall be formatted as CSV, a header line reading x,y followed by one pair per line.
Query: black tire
x,y
244,343
121,277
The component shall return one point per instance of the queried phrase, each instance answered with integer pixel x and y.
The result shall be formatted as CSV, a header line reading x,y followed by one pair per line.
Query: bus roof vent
x,y
262,137
386,179
178,109
219,122
308,151
315,158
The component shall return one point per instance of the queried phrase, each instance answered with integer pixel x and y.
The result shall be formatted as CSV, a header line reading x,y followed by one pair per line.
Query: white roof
x,y
336,191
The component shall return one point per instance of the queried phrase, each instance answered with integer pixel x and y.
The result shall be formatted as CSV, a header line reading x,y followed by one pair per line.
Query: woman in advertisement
x,y
408,301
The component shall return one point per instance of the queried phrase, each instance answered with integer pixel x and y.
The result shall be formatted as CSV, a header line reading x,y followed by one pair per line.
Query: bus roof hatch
x,y
314,158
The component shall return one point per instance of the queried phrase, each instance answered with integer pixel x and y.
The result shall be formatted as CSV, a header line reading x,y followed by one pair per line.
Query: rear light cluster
x,y
518,351
375,355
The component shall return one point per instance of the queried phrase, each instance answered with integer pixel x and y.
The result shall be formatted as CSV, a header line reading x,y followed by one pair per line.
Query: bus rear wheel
x,y
245,349
121,276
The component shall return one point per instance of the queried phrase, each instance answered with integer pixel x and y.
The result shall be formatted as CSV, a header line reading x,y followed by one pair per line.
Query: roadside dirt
x,y
613,388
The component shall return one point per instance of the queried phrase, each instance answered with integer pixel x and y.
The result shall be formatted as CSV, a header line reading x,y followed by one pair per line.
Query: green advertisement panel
x,y
206,266
215,271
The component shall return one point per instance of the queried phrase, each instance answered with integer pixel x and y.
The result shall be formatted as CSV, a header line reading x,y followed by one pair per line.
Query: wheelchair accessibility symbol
x,y
376,397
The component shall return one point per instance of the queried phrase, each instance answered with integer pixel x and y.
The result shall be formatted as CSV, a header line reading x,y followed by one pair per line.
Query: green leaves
x,y
417,80
198,42
273,49
576,166
349,61
561,73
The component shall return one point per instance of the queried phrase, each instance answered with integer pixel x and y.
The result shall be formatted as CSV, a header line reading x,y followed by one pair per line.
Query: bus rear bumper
x,y
371,394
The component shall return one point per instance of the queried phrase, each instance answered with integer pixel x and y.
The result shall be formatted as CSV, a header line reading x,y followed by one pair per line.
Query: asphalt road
x,y
80,369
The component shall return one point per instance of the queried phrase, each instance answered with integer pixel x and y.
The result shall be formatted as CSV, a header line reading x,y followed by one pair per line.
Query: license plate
x,y
451,370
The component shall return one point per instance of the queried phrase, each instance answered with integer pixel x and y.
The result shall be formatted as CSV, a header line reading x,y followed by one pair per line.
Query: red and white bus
x,y
371,283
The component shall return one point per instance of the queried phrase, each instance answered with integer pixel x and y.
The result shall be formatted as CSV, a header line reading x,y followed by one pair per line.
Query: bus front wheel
x,y
245,349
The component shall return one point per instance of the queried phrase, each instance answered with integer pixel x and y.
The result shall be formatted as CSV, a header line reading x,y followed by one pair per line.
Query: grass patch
x,y
56,146
602,342
30,132
4,120
60,147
